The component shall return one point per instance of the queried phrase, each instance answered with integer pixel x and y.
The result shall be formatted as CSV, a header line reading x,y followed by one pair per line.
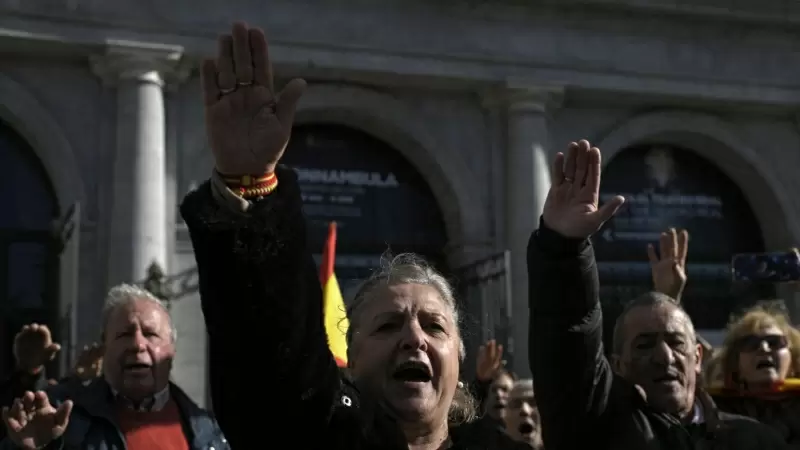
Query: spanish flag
x,y
336,322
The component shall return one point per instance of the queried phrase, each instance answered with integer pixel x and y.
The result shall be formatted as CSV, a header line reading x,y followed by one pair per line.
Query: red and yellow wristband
x,y
251,186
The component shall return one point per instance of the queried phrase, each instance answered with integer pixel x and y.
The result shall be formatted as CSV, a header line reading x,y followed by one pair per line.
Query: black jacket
x,y
582,403
262,303
781,412
93,424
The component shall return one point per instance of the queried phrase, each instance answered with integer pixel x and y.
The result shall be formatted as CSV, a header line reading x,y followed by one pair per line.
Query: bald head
x,y
648,301
655,348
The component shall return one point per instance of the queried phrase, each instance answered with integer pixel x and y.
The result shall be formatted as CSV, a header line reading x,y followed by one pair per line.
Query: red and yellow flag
x,y
336,322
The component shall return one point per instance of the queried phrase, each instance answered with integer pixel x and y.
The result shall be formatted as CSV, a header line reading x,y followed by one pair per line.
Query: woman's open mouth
x,y
526,428
766,364
412,372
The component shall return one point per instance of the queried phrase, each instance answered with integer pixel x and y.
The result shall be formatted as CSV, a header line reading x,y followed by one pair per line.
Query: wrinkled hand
x,y
247,121
34,347
669,265
90,362
32,422
572,208
490,360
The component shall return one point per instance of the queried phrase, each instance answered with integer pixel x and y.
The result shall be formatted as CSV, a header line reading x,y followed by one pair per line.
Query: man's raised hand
x,y
490,360
668,266
32,422
34,347
572,208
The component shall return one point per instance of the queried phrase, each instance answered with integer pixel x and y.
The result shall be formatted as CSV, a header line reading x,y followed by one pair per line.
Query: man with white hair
x,y
133,406
522,415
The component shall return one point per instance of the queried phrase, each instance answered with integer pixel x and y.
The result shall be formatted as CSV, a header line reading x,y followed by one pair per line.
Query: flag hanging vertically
x,y
332,301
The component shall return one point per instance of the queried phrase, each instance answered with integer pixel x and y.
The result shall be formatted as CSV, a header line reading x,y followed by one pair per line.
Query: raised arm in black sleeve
x,y
572,379
262,304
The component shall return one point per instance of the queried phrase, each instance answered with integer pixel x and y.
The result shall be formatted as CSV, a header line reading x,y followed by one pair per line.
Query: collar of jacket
x,y
709,408
156,402
97,400
703,401
381,430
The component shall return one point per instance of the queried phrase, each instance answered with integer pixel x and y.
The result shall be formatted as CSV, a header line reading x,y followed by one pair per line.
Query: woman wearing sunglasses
x,y
760,363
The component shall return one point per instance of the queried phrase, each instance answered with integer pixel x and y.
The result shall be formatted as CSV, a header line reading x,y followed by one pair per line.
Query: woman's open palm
x,y
573,206
248,122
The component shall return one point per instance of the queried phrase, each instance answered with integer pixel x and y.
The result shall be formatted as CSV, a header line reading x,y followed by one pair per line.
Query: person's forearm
x,y
259,286
571,379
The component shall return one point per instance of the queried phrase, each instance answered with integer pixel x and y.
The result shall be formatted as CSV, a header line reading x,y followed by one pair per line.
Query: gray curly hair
x,y
124,294
409,268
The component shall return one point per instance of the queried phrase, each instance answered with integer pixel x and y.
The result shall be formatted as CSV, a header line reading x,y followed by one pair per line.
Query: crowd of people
x,y
659,386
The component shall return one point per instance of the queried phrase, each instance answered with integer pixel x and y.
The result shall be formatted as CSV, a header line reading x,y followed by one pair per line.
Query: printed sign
x,y
669,187
377,198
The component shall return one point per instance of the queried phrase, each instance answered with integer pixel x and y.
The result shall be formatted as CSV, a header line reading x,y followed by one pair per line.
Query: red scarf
x,y
789,387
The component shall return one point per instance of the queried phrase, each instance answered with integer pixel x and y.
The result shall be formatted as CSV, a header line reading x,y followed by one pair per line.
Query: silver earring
x,y
460,385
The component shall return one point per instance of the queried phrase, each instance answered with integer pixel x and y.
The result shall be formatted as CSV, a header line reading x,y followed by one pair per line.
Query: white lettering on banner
x,y
652,204
349,177
645,236
637,269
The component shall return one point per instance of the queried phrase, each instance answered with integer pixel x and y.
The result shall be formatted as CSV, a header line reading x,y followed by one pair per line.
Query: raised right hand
x,y
32,422
490,360
572,207
247,120
668,266
34,347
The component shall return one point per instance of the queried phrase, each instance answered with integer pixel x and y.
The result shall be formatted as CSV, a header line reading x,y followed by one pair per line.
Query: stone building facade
x,y
101,107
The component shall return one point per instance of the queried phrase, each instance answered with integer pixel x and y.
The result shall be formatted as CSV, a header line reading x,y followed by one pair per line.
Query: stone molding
x,y
146,62
524,98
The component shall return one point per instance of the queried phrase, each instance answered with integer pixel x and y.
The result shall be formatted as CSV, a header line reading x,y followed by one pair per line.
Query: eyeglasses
x,y
753,342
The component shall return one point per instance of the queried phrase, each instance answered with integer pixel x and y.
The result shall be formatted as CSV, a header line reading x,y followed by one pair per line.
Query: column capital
x,y
524,97
130,60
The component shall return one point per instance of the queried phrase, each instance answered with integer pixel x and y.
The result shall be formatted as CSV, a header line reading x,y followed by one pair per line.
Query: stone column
x,y
527,182
138,228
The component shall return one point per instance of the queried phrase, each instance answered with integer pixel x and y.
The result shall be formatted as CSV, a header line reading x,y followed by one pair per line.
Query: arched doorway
x,y
29,267
667,186
378,199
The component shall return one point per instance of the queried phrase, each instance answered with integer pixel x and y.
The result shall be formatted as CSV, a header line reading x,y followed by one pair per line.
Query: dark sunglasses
x,y
753,342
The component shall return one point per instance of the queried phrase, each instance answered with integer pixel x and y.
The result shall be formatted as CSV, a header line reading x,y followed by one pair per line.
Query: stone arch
x,y
393,122
21,111
716,140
